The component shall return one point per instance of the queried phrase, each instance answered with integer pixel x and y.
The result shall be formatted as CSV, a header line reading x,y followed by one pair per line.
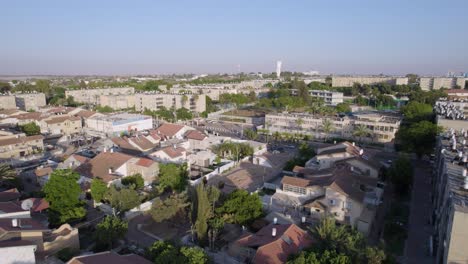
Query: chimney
x,y
174,146
464,173
112,150
303,219
465,159
354,144
14,222
110,170
275,221
105,149
273,232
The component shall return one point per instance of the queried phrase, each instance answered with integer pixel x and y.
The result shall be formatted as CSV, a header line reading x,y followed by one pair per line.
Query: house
x,y
61,125
272,244
172,131
109,257
327,156
43,174
138,144
170,154
19,146
73,161
196,139
111,167
203,158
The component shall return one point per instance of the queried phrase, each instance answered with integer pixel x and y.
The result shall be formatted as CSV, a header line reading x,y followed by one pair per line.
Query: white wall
x,y
18,255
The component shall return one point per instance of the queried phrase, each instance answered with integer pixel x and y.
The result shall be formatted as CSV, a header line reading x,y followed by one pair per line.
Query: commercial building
x,y
348,81
114,125
450,197
30,101
436,83
154,101
330,98
381,126
92,96
7,102
117,102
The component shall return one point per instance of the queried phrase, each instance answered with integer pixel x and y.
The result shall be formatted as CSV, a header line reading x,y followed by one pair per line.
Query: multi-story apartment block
x,y
118,102
436,83
330,98
348,81
7,102
450,197
154,101
92,96
452,114
30,101
381,126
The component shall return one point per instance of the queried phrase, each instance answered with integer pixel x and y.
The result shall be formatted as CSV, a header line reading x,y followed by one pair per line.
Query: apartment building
x,y
7,102
436,83
154,101
450,197
381,126
452,114
30,101
92,96
348,81
114,125
19,145
330,98
118,102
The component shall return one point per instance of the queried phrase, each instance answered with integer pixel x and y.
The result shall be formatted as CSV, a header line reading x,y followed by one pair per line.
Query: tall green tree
x,y
31,129
98,190
166,252
62,191
418,137
135,180
124,199
173,176
162,210
250,134
415,112
108,231
241,207
361,131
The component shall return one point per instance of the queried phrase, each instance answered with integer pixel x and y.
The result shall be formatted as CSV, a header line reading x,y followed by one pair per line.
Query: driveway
x,y
419,229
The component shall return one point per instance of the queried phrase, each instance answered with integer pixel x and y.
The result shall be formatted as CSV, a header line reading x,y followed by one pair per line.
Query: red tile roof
x,y
39,204
20,140
99,166
85,113
9,195
195,134
10,207
109,257
169,130
145,162
294,181
173,152
79,158
40,172
289,239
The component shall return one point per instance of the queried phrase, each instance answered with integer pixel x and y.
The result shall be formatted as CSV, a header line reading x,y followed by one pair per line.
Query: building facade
x,y
114,125
330,98
348,81
7,102
118,102
92,96
17,146
30,101
154,101
436,83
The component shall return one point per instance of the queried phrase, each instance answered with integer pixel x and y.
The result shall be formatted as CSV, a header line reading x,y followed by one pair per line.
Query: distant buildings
x,y
92,96
19,145
117,102
154,101
450,197
7,102
330,98
436,83
381,126
30,101
348,81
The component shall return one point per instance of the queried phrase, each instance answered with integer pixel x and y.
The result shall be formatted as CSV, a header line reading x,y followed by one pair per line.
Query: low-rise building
x,y
116,124
329,97
170,154
30,101
348,81
138,144
92,96
61,125
17,146
154,101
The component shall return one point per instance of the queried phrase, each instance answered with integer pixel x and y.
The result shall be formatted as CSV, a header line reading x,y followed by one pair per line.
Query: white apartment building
x,y
7,102
436,83
154,101
114,125
118,102
348,81
30,101
330,98
382,127
92,96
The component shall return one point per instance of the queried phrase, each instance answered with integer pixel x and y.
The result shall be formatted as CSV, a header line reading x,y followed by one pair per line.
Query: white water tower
x,y
278,69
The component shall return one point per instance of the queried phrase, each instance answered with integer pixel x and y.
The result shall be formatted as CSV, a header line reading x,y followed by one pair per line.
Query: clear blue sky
x,y
150,37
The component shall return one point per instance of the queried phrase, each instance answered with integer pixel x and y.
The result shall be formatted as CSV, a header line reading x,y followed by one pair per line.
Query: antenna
x,y
27,204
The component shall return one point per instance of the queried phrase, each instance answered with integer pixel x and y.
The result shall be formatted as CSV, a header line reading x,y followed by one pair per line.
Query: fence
x,y
146,206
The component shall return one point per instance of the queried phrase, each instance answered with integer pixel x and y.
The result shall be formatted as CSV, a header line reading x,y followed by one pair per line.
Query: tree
x,y
250,134
194,255
8,176
233,150
343,108
124,199
31,129
203,212
183,114
401,174
62,191
241,207
135,180
415,112
98,190
361,131
418,137
4,87
327,127
109,231
173,176
162,210
166,252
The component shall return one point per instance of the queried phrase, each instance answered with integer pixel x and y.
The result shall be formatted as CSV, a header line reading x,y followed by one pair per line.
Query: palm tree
x,y
361,131
6,173
327,127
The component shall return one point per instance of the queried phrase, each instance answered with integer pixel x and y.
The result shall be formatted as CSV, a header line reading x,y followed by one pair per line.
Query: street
x,y
419,228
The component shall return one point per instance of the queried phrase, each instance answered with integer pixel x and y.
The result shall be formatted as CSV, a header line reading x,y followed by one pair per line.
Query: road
x,y
419,229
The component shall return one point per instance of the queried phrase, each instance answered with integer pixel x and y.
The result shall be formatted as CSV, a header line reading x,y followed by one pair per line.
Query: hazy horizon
x,y
145,37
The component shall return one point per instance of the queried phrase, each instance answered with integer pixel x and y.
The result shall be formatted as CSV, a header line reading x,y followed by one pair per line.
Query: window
x,y
349,205
332,202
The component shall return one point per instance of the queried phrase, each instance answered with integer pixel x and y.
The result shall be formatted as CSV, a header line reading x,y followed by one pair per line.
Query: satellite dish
x,y
27,204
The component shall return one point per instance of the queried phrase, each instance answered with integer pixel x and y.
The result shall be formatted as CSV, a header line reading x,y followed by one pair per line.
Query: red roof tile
x,y
195,134
169,130
145,162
